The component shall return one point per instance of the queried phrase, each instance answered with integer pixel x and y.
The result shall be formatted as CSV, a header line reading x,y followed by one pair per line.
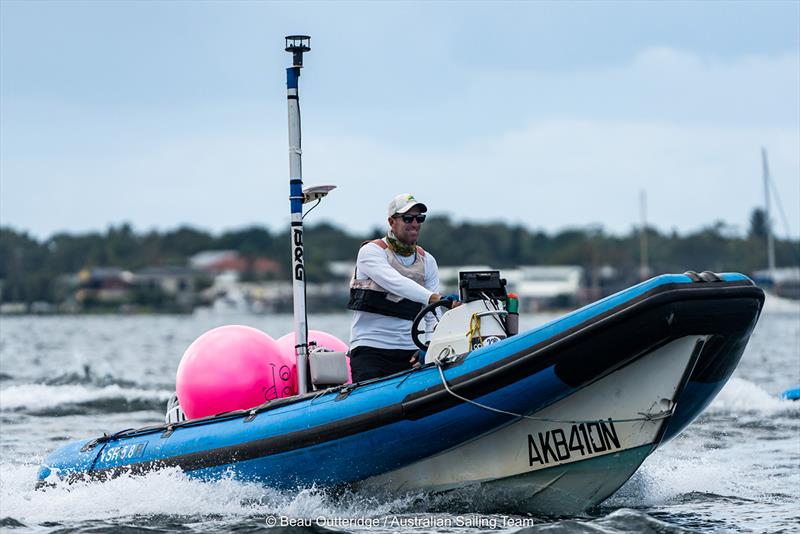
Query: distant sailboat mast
x,y
644,267
767,217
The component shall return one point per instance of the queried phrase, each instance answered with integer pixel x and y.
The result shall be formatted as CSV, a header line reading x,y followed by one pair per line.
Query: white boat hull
x,y
575,454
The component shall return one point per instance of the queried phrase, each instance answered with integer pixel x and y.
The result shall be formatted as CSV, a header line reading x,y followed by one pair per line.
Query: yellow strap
x,y
474,327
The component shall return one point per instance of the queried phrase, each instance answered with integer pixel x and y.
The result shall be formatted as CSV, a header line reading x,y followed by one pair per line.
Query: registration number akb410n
x,y
559,445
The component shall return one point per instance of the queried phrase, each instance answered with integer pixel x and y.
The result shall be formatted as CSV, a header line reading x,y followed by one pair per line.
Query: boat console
x,y
480,320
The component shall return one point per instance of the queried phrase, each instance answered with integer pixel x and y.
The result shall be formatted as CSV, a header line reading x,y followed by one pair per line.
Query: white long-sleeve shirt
x,y
381,331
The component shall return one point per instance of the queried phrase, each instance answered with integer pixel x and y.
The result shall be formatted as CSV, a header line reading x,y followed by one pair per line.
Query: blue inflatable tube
x,y
792,393
353,432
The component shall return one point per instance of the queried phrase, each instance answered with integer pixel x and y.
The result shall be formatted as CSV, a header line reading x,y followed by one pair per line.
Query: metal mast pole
x,y
768,217
297,45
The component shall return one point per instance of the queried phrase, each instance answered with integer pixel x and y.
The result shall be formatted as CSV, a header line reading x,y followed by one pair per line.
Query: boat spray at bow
x,y
297,45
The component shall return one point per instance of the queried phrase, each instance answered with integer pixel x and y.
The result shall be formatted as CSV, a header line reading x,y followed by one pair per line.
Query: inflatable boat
x,y
792,393
553,420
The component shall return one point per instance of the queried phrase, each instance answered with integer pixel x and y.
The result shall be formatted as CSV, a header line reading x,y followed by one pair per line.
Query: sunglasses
x,y
409,218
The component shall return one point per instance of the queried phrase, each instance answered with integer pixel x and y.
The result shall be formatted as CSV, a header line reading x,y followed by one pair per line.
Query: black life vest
x,y
366,295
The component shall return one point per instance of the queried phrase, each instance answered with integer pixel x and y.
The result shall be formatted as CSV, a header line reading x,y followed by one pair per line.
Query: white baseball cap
x,y
404,202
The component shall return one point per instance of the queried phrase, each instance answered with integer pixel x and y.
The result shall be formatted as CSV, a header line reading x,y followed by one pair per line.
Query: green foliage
x,y
184,242
31,270
23,267
250,242
150,297
759,226
323,243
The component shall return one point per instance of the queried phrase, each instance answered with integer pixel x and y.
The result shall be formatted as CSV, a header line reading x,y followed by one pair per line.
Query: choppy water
x,y
735,469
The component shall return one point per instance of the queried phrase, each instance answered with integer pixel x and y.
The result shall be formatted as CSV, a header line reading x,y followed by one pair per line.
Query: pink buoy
x,y
322,339
233,368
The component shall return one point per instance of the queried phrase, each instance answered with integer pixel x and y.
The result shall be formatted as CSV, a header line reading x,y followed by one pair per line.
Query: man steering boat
x,y
393,279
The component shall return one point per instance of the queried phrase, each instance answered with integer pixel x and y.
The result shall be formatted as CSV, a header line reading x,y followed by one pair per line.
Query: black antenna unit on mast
x,y
298,45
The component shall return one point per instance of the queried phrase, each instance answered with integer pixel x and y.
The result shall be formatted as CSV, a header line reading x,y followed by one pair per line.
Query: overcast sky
x,y
552,115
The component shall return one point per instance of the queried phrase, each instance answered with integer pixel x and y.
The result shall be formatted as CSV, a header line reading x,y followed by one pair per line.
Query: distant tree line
x,y
30,267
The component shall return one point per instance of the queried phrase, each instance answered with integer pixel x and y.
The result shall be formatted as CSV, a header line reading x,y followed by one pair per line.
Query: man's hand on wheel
x,y
436,297
454,298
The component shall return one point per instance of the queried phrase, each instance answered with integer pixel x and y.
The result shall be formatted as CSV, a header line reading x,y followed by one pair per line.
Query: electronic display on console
x,y
476,285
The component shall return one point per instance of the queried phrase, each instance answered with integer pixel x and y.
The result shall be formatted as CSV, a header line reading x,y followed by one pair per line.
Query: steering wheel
x,y
430,308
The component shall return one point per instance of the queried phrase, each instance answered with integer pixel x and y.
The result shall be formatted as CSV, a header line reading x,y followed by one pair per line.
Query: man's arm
x,y
372,262
432,284
432,275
